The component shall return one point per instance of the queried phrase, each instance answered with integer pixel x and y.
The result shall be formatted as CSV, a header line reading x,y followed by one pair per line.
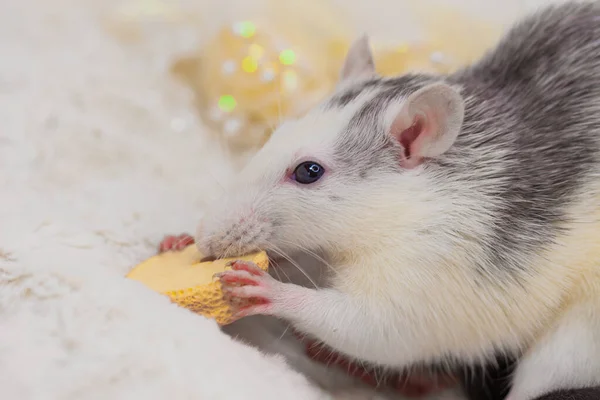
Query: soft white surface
x,y
93,174
101,154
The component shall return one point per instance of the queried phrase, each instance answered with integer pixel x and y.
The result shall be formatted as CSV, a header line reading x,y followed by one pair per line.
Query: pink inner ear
x,y
409,139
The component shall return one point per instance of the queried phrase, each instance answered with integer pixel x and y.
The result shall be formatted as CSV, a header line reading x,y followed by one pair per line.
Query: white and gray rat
x,y
460,214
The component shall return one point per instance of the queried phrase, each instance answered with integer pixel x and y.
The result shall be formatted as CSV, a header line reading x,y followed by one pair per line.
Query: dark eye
x,y
308,172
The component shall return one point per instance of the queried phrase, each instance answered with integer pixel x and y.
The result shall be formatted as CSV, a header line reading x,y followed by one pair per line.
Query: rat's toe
x,y
172,242
247,266
183,241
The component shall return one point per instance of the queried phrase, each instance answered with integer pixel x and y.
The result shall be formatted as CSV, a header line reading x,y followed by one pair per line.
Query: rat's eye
x,y
308,172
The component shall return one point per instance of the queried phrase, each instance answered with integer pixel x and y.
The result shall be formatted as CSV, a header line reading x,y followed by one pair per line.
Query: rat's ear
x,y
359,64
428,123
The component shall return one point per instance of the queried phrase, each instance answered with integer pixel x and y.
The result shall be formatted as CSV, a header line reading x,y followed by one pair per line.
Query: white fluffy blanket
x,y
101,154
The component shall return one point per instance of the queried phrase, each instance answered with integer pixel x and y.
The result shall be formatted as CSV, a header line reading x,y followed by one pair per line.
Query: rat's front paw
x,y
180,242
247,283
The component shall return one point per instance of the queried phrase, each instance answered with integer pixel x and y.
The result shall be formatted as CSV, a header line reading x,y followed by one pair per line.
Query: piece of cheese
x,y
189,282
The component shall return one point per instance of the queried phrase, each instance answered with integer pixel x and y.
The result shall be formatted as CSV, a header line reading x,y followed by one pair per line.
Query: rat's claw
x,y
231,278
247,266
248,289
171,242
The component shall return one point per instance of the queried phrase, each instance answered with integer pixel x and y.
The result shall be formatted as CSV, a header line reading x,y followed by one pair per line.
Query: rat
x,y
459,214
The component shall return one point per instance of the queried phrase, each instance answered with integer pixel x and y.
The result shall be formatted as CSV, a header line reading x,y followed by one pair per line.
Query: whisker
x,y
310,252
287,328
278,252
295,264
277,273
276,264
322,346
226,253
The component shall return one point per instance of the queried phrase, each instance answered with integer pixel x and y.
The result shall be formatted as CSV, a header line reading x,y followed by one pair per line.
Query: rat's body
x,y
460,214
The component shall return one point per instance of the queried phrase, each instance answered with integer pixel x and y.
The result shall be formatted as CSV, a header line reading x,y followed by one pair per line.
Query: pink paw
x,y
170,242
249,285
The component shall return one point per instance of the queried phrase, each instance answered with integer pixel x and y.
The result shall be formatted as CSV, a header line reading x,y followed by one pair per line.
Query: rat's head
x,y
348,174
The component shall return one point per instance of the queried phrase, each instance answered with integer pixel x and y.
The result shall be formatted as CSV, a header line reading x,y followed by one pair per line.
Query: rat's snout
x,y
235,235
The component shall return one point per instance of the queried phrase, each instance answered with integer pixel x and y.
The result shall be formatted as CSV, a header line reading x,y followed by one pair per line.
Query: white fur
x,y
567,356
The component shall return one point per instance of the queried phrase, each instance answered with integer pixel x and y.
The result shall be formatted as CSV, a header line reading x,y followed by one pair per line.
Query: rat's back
x,y
533,107
558,42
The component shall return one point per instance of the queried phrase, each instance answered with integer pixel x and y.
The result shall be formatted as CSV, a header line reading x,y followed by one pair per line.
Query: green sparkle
x,y
287,57
245,29
227,103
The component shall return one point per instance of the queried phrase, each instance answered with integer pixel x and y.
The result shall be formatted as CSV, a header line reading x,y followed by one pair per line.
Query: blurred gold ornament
x,y
256,72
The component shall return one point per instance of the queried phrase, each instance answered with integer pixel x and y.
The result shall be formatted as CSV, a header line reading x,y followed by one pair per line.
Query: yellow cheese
x,y
189,282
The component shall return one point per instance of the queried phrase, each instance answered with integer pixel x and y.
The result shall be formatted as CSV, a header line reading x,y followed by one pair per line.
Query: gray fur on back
x,y
531,135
